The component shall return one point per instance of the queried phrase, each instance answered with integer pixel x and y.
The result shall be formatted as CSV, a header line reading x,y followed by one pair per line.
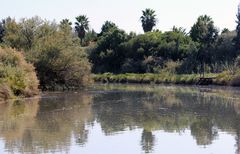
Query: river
x,y
124,119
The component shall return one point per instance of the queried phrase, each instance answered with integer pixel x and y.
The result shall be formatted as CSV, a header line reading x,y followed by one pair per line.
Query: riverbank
x,y
225,78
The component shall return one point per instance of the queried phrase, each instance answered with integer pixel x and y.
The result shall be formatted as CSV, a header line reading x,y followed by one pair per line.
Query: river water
x,y
124,119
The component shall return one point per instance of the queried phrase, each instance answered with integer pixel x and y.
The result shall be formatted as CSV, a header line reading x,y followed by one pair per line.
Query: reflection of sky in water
x,y
115,121
167,143
1,146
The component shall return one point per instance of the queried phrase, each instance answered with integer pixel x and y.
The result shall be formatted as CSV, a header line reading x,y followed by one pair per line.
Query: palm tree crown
x,y
81,26
148,20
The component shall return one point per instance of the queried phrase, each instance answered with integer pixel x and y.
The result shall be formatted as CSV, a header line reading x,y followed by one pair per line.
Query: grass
x,y
224,78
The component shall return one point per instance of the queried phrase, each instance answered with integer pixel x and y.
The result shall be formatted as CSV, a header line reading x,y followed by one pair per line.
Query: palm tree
x,y
148,20
81,26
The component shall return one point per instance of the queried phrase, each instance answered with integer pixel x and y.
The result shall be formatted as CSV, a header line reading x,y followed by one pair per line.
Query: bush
x,y
54,51
17,77
60,62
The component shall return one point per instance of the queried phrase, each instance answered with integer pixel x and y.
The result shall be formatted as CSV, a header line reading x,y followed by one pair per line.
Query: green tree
x,y
225,52
225,30
12,34
179,30
23,34
131,35
91,37
108,25
53,49
58,59
66,28
66,22
205,33
2,29
28,29
148,20
81,26
148,52
108,56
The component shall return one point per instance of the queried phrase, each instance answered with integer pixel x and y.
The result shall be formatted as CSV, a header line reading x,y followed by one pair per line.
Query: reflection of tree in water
x,y
46,126
203,131
237,138
16,116
63,117
171,110
147,141
81,133
116,111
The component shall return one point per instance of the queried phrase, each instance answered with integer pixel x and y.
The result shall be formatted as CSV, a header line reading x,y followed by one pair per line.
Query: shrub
x,y
17,77
60,64
53,49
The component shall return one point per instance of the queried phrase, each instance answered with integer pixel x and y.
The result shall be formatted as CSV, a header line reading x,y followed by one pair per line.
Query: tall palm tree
x,y
81,26
148,20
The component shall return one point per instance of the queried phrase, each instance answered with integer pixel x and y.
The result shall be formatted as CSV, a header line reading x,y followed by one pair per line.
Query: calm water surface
x,y
124,119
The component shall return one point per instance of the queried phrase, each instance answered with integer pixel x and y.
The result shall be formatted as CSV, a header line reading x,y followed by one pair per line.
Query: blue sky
x,y
126,13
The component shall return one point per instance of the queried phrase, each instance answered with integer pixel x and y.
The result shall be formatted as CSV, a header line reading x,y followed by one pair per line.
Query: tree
x,y
58,59
66,22
225,30
53,49
22,35
205,33
66,28
81,26
148,20
108,57
28,29
236,40
12,36
225,51
66,25
90,37
179,30
107,26
2,29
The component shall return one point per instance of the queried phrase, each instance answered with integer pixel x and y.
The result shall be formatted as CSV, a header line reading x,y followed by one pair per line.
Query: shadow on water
x,y
51,123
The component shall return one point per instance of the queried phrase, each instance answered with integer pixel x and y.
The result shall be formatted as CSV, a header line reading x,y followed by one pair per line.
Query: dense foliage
x,y
201,50
53,49
17,77
108,55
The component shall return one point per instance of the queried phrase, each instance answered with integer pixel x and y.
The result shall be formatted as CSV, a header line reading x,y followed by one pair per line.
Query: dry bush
x,y
17,77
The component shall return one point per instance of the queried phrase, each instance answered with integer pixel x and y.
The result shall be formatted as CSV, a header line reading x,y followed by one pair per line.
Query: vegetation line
x,y
149,78
36,53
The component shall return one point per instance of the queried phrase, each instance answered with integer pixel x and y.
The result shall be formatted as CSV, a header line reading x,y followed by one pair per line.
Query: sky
x,y
125,13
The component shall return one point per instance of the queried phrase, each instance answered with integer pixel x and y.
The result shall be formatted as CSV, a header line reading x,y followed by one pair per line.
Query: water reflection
x,y
46,126
147,141
61,121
